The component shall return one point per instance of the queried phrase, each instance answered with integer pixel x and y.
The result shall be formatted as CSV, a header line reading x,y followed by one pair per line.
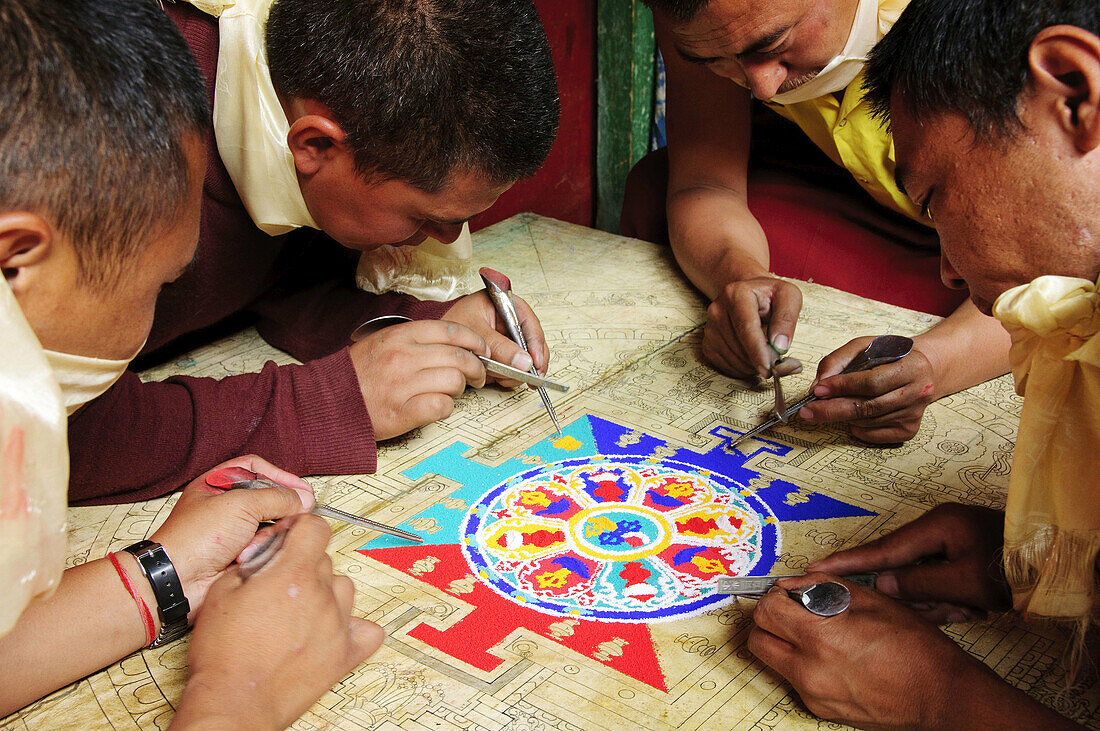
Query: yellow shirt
x,y
845,131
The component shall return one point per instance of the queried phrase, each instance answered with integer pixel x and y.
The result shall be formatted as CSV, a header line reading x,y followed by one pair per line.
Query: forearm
x,y
90,622
986,701
715,238
312,310
965,349
143,440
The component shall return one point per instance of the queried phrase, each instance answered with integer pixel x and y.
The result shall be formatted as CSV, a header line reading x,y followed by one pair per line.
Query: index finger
x,y
261,466
785,305
434,332
838,360
744,318
533,334
779,615
870,383
902,547
306,541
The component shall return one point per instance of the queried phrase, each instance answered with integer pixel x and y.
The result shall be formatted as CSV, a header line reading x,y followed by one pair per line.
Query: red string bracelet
x,y
143,609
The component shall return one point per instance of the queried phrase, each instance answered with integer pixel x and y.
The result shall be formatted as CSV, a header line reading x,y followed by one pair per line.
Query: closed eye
x,y
926,204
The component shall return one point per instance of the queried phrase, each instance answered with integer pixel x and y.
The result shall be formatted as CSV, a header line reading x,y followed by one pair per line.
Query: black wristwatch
x,y
172,605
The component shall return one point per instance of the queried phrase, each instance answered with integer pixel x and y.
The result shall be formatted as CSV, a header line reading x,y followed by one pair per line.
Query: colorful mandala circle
x,y
624,538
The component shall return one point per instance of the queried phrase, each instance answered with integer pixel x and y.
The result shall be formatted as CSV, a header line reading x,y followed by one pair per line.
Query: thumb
x,y
504,350
943,582
366,637
785,305
906,545
269,503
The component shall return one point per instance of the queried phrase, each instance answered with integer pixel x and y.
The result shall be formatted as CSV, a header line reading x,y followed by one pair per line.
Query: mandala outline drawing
x,y
627,538
478,639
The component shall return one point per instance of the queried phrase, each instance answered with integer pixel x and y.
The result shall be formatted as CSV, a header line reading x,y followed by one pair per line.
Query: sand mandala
x,y
586,540
629,539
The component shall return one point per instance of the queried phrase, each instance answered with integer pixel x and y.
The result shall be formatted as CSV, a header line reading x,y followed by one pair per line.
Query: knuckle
x,y
317,526
754,641
867,408
390,358
443,406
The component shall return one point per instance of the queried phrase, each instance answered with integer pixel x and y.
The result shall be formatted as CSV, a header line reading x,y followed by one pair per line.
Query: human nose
x,y
447,233
949,276
763,78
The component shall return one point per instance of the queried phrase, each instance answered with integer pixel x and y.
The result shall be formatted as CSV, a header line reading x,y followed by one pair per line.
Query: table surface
x,y
624,327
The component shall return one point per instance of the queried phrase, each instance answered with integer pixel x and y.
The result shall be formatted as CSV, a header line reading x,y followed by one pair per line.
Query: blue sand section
x,y
718,460
477,478
599,436
817,507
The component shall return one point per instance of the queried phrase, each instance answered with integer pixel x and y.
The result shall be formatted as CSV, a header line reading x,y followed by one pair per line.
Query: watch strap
x,y
172,605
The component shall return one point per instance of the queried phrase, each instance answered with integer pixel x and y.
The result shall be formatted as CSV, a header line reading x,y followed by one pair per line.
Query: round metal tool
x,y
826,599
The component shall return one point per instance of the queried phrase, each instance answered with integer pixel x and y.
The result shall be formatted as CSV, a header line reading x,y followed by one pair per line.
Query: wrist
x,y
979,698
140,585
739,266
172,606
929,346
206,705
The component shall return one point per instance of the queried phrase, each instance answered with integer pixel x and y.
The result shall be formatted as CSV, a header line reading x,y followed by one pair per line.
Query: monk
x,y
995,111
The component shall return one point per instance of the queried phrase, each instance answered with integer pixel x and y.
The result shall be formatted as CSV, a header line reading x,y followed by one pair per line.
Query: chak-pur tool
x,y
499,289
825,599
780,404
883,350
496,368
236,478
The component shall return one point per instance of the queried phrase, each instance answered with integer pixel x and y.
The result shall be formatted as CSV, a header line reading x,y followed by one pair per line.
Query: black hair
x,y
680,11
422,88
966,56
95,100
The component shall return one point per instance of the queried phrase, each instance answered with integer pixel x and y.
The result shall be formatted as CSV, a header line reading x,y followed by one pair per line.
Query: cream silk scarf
x,y
34,467
1052,516
83,379
251,129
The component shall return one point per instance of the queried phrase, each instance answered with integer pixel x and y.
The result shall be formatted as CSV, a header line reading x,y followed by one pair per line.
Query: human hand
x,y
410,374
875,665
209,528
946,563
881,405
265,649
734,338
476,311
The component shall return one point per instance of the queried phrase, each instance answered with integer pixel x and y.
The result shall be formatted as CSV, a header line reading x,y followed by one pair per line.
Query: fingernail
x,y
248,552
887,584
821,391
522,362
782,344
958,615
307,500
805,414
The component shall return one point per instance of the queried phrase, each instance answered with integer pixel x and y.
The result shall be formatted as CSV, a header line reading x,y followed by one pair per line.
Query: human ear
x,y
26,241
313,140
1064,61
